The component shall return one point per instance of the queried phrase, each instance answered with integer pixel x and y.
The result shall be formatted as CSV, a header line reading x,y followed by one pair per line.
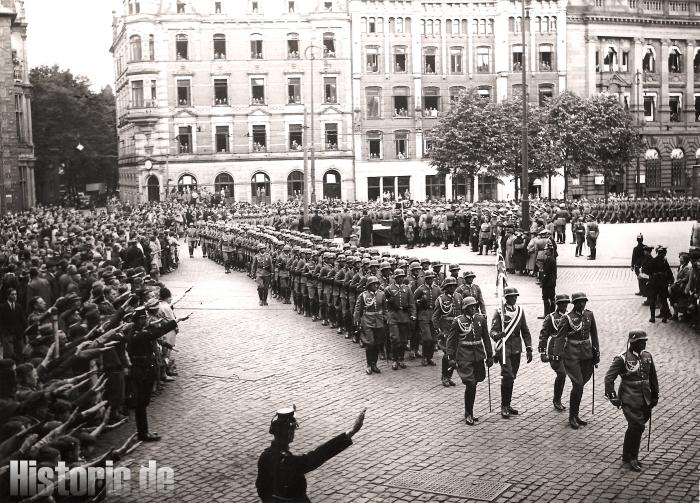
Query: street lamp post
x,y
524,181
309,54
638,81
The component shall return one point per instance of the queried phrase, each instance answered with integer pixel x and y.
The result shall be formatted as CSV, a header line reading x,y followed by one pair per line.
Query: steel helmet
x,y
510,291
578,296
468,301
562,297
399,272
371,280
449,282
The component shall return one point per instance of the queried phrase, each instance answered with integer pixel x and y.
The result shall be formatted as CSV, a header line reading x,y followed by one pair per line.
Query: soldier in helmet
x,y
447,308
509,330
548,336
282,261
426,295
471,289
281,473
468,346
637,395
370,314
402,312
577,345
262,269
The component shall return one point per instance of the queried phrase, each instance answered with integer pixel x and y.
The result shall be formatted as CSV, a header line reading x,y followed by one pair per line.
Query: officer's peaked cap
x,y
284,420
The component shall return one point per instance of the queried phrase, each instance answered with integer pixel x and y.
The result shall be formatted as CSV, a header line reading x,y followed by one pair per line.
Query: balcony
x,y
143,112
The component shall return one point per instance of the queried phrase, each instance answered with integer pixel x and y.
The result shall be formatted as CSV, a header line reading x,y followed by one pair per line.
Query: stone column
x,y
662,69
689,101
591,75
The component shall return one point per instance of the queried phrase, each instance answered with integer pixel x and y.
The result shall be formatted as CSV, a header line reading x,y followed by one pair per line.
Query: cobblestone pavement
x,y
614,246
238,363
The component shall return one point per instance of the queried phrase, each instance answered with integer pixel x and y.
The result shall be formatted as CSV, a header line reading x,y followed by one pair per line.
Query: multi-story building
x,y
647,53
213,94
17,190
412,58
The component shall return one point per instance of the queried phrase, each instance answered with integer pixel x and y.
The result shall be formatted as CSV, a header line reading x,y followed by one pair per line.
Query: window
x,y
181,7
610,60
371,25
184,139
181,47
697,108
373,97
374,145
400,98
429,60
154,92
456,60
256,46
552,24
330,92
649,60
484,92
328,6
295,184
674,107
456,92
428,145
219,46
546,62
183,93
19,117
678,178
372,60
400,59
137,93
401,144
373,188
328,45
652,167
434,187
483,59
517,55
431,101
224,181
293,46
296,140
331,136
649,107
290,6
217,7
135,42
254,7
545,93
222,144
624,65
259,138
260,185
186,183
151,48
675,60
257,91
294,89
696,60
220,92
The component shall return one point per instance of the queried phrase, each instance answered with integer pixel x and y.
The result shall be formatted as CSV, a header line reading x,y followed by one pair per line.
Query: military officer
x,y
509,330
426,295
577,344
262,270
447,308
325,280
468,346
227,251
402,312
281,473
471,289
454,272
637,262
548,335
370,314
638,392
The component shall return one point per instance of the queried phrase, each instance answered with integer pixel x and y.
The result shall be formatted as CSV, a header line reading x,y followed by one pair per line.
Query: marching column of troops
x,y
392,308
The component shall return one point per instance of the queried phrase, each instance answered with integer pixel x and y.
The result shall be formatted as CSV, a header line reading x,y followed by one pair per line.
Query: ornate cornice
x,y
636,20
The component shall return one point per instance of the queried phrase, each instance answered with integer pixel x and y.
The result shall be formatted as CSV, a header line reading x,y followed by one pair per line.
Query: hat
x,y
415,265
469,274
449,282
454,267
151,304
578,296
284,420
510,291
562,297
468,301
429,274
640,237
371,280
140,312
399,272
637,335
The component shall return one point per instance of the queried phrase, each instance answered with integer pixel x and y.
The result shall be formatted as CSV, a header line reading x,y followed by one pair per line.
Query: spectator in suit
x,y
12,325
38,287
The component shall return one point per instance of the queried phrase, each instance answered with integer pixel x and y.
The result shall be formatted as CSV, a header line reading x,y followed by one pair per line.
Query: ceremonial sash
x,y
509,329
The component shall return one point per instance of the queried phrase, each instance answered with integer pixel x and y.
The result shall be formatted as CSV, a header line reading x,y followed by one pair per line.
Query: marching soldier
x,y
577,344
339,293
262,269
370,314
447,307
402,311
282,262
415,280
471,289
637,262
509,330
637,395
326,287
548,336
426,295
468,345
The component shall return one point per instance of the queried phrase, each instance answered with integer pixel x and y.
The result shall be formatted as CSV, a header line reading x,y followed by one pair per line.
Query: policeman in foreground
x,y
637,395
548,336
281,473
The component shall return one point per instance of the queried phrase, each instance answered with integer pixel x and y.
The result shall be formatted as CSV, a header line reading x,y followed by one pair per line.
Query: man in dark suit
x,y
38,287
316,223
12,325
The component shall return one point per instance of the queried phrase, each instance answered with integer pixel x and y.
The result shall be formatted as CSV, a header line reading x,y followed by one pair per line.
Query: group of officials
x,y
395,307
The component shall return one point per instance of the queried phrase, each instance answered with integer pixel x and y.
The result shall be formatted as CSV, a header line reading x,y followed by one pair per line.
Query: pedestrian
x,y
370,315
577,345
637,395
509,330
468,347
548,336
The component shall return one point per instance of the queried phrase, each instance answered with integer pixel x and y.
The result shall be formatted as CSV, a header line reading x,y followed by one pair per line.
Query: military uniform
x,y
548,335
466,289
262,269
447,307
425,296
402,311
370,314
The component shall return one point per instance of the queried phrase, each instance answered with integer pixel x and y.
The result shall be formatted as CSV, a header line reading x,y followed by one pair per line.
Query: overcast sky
x,y
74,34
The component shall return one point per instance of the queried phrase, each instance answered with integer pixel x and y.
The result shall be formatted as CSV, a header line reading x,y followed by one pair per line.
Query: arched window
x,y
181,47
256,46
610,60
553,24
652,166
151,48
485,92
295,184
649,60
331,185
186,183
329,45
224,181
456,92
678,178
430,27
136,53
260,186
293,45
675,60
153,188
219,46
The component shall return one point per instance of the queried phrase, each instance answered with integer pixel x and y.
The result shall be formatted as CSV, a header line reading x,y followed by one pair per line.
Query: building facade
x,y
213,95
16,144
646,52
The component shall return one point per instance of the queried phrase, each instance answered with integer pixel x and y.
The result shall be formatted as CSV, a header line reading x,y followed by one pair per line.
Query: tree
x,y
65,113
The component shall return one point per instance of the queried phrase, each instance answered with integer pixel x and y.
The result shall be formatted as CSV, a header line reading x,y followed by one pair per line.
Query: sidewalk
x,y
615,246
